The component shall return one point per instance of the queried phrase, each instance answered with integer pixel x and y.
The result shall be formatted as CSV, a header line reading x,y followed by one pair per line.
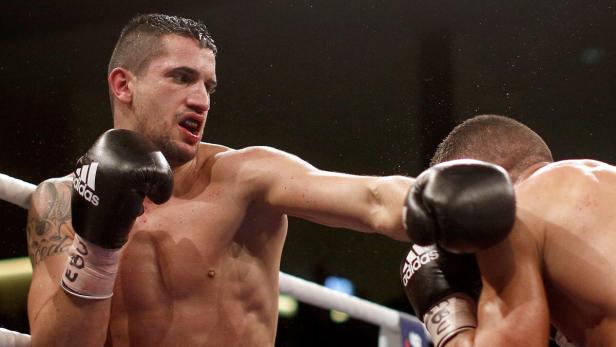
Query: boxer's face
x,y
171,99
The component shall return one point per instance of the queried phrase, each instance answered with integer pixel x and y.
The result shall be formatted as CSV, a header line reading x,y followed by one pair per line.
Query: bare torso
x,y
201,269
572,213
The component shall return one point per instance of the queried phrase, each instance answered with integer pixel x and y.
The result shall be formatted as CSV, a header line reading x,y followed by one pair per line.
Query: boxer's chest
x,y
172,247
210,215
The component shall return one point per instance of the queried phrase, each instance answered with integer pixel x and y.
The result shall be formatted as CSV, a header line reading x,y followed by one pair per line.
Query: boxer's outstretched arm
x,y
57,318
294,187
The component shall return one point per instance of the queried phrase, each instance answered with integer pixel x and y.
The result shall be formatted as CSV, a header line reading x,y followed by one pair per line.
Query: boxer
x,y
555,266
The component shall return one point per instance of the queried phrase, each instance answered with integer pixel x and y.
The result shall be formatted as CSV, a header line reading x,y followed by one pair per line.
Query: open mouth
x,y
192,124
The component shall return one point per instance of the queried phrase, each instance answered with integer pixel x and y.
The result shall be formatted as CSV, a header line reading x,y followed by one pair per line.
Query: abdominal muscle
x,y
171,292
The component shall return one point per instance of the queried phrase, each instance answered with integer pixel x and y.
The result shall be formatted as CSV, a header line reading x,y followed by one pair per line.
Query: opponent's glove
x,y
461,205
443,289
109,185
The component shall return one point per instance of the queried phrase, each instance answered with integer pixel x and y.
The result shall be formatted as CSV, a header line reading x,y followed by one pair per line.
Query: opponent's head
x,y
495,139
161,75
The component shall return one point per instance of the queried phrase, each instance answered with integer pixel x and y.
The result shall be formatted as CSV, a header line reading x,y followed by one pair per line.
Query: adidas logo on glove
x,y
417,257
84,182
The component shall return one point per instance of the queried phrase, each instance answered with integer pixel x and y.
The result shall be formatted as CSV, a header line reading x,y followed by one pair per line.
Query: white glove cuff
x,y
91,270
449,317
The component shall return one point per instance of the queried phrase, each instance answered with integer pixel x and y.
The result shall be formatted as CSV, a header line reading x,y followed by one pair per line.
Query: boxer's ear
x,y
119,80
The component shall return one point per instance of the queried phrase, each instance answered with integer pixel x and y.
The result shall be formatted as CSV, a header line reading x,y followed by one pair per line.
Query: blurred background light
x,y
287,306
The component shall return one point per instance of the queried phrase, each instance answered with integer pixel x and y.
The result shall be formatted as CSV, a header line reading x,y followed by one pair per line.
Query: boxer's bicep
x,y
328,198
49,234
49,229
513,308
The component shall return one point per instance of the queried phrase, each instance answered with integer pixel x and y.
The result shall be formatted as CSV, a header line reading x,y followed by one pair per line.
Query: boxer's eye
x,y
181,78
183,75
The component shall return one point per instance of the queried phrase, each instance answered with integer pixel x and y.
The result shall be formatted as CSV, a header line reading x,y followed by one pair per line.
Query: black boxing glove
x,y
443,289
111,180
109,185
461,205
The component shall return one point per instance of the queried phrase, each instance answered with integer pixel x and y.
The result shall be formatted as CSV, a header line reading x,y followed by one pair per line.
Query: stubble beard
x,y
164,143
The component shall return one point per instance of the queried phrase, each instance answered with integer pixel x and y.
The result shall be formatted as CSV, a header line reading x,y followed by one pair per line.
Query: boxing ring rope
x,y
392,322
16,191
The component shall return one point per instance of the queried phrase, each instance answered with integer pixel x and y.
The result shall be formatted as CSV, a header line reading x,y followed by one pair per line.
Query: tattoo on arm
x,y
49,229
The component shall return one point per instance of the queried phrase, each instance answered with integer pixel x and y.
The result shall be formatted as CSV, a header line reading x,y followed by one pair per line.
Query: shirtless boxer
x,y
556,265
198,266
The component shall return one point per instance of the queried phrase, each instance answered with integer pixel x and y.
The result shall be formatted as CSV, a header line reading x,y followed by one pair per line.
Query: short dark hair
x,y
496,139
139,41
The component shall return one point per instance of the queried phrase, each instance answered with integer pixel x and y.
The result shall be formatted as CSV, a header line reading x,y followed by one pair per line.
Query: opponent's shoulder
x,y
562,176
556,191
574,167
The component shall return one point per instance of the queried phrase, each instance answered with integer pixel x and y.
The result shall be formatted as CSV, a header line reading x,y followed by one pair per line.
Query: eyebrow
x,y
183,69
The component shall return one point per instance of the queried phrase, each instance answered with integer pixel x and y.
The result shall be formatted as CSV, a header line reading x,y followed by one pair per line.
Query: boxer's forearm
x,y
362,203
388,195
66,320
56,318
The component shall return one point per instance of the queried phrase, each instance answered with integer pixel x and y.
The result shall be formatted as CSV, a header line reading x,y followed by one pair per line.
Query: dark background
x,y
364,87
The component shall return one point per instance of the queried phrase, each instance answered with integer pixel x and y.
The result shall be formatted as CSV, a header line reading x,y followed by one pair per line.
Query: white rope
x,y
18,192
326,298
9,338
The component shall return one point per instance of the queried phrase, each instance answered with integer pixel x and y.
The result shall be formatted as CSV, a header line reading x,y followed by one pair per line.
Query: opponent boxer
x,y
183,248
555,265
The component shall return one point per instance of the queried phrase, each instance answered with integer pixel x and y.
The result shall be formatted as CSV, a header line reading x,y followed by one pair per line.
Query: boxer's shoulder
x,y
564,189
49,230
64,181
253,153
571,168
255,169
209,154
561,176
50,191
224,164
248,160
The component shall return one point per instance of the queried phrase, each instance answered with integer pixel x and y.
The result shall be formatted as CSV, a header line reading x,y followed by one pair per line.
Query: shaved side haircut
x,y
495,139
140,42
